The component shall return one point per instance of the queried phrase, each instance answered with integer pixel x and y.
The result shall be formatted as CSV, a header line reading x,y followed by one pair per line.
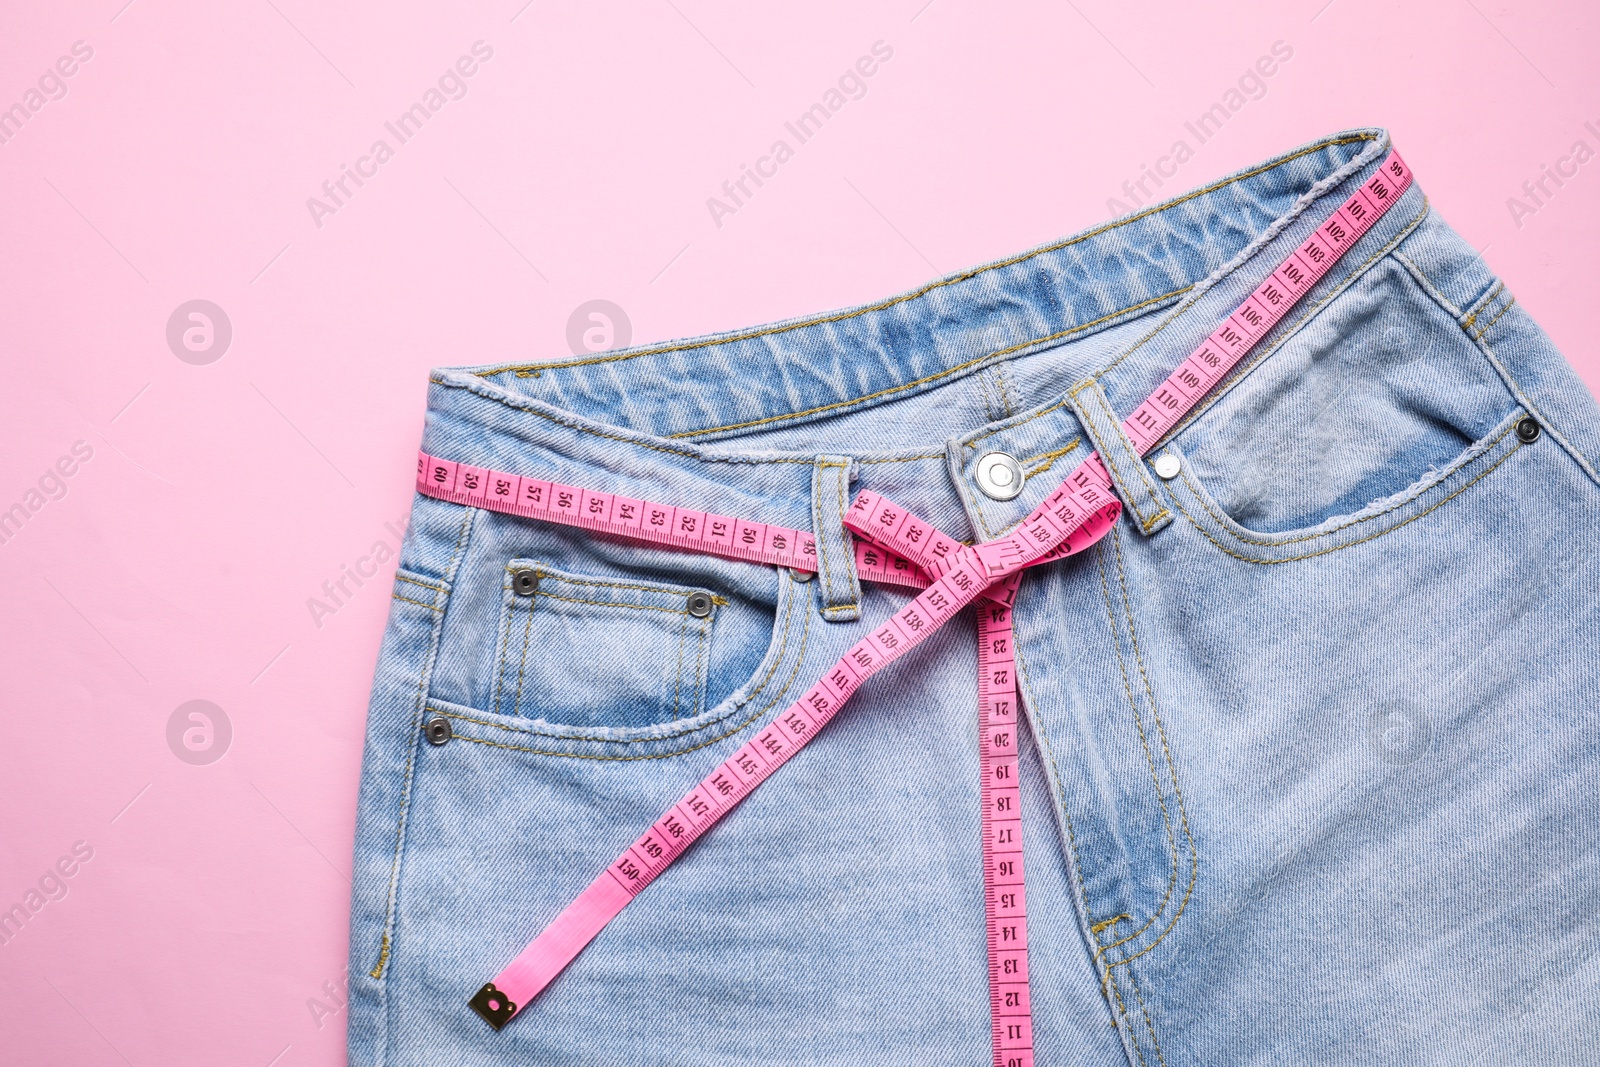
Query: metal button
x,y
699,605
801,576
1167,466
999,476
1528,430
438,730
525,583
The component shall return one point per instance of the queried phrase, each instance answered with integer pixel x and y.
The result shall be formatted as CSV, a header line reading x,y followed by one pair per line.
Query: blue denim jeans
x,y
1313,735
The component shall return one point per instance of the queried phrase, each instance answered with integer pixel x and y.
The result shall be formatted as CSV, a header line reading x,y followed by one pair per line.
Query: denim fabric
x,y
1309,774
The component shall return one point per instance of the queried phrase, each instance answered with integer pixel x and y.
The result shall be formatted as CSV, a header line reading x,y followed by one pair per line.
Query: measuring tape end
x,y
493,1006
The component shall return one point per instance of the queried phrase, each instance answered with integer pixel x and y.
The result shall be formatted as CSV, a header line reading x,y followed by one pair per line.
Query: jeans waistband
x,y
737,422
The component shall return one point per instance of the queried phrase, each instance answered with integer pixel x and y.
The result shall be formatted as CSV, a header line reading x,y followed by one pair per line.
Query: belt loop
x,y
837,584
1122,461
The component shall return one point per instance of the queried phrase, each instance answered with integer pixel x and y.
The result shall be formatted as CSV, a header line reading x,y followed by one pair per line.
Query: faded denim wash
x,y
1314,734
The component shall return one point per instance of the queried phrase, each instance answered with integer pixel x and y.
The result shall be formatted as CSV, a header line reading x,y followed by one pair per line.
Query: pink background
x,y
209,926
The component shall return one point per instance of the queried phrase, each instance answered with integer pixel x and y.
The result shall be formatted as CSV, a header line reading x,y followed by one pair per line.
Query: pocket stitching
x,y
1360,541
1509,305
777,661
1472,452
1242,371
513,603
1100,410
567,579
704,666
677,673
612,604
1172,770
1138,719
522,661
782,692
392,893
1238,373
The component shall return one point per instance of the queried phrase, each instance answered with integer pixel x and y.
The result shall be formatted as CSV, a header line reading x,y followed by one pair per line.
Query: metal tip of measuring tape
x,y
492,1006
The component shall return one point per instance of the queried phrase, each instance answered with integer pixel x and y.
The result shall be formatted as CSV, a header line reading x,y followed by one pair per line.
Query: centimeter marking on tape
x,y
571,505
1268,304
1005,897
915,547
1083,505
760,542
971,570
1004,884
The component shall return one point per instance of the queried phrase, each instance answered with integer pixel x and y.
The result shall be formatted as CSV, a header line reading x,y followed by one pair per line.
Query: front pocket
x,y
582,651
1435,490
1369,395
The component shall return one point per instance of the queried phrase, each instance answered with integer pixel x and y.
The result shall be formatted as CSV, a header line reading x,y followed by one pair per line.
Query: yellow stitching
x,y
1150,760
511,402
572,580
1509,305
901,459
777,661
502,639
1044,744
1489,303
1149,1024
1516,388
615,604
825,572
1157,517
1133,1036
1109,981
1201,497
799,659
522,663
1050,458
411,760
823,320
1048,338
1238,371
1426,284
1350,544
1100,410
1183,310
408,600
1003,388
972,443
988,405
983,520
947,372
525,370
705,663
677,680
1172,768
1493,295
1217,391
832,610
426,585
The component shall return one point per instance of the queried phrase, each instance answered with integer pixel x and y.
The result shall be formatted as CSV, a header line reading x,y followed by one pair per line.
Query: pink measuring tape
x,y
895,547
